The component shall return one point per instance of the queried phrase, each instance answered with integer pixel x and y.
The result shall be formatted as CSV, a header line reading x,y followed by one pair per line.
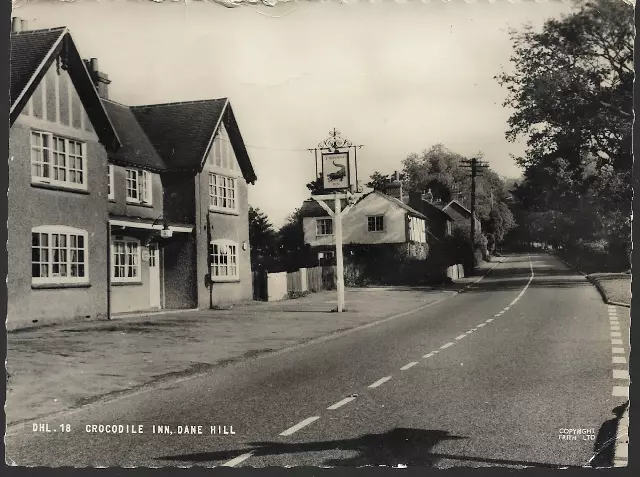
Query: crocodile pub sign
x,y
335,171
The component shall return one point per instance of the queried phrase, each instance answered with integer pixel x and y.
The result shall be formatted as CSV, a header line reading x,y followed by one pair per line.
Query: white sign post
x,y
336,176
336,214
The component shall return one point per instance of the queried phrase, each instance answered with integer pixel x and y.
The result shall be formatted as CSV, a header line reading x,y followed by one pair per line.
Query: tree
x,y
378,181
293,253
439,170
571,91
263,240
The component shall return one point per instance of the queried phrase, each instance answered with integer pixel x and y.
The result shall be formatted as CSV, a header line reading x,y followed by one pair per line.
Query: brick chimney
x,y
100,80
18,25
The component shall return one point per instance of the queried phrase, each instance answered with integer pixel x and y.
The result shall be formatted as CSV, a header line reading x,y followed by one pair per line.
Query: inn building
x,y
115,208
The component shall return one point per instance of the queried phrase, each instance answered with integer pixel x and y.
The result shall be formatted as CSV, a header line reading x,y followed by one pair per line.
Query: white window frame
x,y
224,260
125,266
223,192
111,190
326,230
375,223
51,149
139,186
67,250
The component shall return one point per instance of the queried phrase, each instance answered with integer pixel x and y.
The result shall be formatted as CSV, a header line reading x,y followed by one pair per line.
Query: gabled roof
x,y
455,203
32,53
437,208
399,203
136,148
183,133
310,208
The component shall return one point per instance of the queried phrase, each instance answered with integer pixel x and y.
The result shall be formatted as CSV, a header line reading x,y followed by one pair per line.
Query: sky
x,y
394,77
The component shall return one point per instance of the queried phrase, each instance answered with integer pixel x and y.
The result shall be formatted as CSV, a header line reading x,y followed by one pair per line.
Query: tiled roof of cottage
x,y
401,204
136,148
28,50
311,208
182,132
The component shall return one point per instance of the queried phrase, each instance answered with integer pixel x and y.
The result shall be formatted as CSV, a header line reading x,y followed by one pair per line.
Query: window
x,y
222,192
58,255
125,258
110,182
375,223
57,160
324,226
224,260
139,187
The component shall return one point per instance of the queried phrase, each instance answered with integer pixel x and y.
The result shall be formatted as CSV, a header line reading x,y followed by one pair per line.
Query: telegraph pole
x,y
476,167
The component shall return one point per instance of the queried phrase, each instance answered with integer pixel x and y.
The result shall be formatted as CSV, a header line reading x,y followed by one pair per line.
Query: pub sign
x,y
335,171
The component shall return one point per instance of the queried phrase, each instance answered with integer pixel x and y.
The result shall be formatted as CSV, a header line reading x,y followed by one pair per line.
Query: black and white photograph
x,y
319,233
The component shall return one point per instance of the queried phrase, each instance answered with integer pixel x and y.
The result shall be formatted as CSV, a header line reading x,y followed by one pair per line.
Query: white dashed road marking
x,y
489,320
238,460
616,341
341,403
620,374
617,350
621,391
428,355
460,337
299,426
616,334
445,346
618,360
481,325
380,381
409,365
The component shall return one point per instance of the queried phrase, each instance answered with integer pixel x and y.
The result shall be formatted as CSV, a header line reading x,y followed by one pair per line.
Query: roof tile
x,y
136,148
28,49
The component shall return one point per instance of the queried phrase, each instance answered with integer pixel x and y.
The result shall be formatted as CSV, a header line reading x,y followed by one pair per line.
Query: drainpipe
x,y
108,270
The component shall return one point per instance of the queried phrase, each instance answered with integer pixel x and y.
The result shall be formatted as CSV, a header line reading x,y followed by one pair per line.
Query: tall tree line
x,y
571,90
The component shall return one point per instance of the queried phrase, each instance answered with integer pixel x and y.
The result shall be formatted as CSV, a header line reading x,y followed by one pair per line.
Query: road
x,y
500,374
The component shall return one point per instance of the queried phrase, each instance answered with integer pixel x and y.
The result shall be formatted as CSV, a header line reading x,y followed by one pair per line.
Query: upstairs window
x,y
139,187
59,254
222,192
375,223
224,260
57,160
324,227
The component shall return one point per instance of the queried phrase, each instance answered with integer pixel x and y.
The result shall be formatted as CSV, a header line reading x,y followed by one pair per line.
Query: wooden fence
x,y
277,286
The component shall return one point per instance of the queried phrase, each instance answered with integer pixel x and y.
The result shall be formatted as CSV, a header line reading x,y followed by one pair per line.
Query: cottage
x,y
376,219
